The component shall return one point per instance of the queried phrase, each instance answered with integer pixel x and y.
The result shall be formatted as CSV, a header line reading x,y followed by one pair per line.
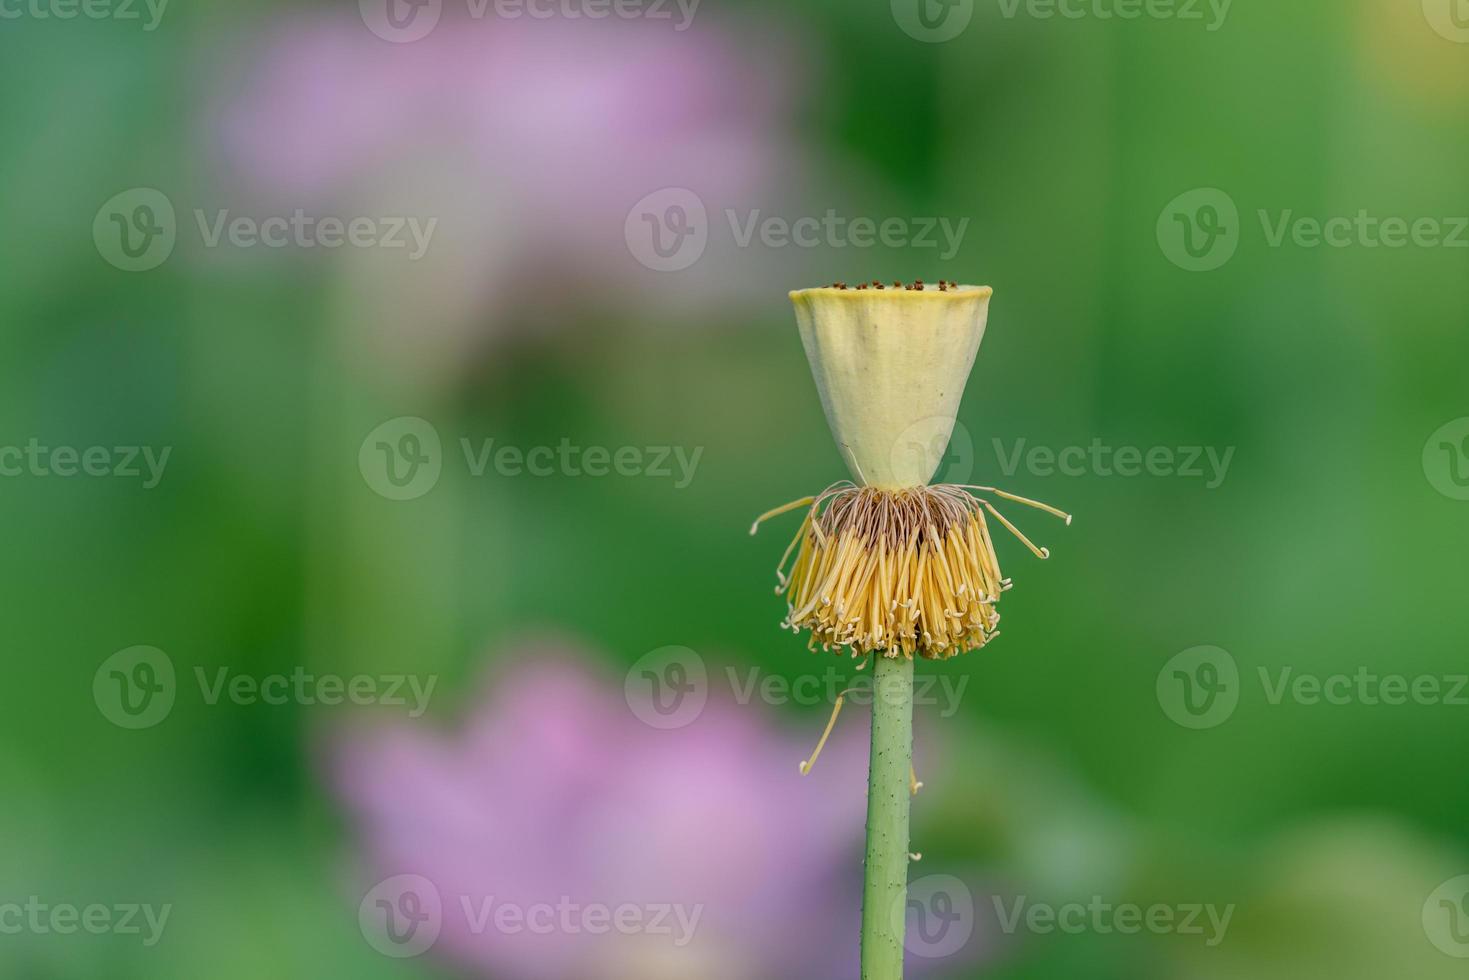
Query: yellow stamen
x,y
897,571
830,724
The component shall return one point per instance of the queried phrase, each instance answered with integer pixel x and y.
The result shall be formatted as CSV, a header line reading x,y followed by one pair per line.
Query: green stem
x,y
885,886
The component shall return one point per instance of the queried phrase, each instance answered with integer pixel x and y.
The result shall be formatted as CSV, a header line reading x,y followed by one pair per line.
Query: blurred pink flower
x,y
530,141
579,114
555,791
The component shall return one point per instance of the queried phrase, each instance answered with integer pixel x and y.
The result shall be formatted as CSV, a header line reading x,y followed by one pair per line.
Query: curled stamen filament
x,y
830,724
1006,495
777,511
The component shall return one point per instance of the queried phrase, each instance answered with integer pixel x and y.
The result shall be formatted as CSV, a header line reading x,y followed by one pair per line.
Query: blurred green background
x,y
1333,544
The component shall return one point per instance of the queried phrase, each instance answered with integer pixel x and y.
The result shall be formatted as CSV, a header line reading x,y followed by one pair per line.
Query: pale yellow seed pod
x,y
890,366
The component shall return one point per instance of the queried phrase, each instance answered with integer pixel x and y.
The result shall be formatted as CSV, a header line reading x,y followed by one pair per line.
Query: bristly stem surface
x,y
885,884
